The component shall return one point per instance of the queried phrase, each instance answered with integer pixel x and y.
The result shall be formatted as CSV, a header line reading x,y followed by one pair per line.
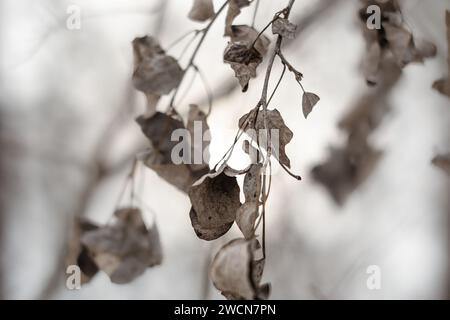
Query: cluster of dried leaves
x,y
392,40
123,249
389,50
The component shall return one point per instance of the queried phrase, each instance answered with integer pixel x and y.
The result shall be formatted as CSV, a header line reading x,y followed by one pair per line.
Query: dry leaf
x,y
207,234
126,248
308,102
247,35
154,72
215,200
274,121
234,10
235,272
442,162
284,28
243,61
246,217
158,129
201,10
252,183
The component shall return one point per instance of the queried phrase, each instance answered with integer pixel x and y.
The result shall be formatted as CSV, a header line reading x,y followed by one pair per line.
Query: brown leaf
x,y
126,248
235,272
154,72
158,129
201,10
246,217
247,35
243,61
274,121
442,162
207,234
284,28
182,176
308,102
252,183
215,199
234,10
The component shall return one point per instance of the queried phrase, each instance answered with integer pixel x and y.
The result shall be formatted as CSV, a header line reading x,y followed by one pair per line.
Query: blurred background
x,y
68,139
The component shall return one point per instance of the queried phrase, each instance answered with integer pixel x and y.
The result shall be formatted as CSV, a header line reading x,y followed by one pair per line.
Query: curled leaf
x,y
235,272
250,36
243,61
284,28
309,100
443,85
126,248
277,127
201,10
234,10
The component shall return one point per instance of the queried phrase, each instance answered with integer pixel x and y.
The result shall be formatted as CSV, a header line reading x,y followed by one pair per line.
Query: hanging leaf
x,y
274,122
207,234
126,248
235,272
154,72
250,36
442,162
234,10
246,217
308,102
215,200
201,10
243,61
284,28
252,183
371,64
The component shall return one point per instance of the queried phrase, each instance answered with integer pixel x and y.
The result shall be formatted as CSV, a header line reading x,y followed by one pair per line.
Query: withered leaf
x,y
234,10
215,199
247,35
243,61
246,217
284,28
158,129
207,234
126,248
201,10
154,72
442,162
252,183
309,100
274,122
180,176
400,41
235,272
